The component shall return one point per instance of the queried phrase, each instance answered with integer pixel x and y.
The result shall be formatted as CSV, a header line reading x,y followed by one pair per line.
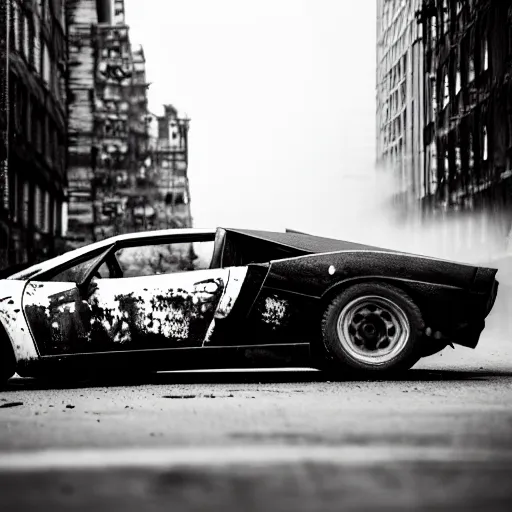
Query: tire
x,y
7,358
374,329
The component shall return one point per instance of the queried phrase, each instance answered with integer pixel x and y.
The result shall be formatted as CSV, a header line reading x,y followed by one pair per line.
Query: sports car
x,y
233,298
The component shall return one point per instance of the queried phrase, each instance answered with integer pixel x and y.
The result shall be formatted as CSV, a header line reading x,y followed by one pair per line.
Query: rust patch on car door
x,y
166,311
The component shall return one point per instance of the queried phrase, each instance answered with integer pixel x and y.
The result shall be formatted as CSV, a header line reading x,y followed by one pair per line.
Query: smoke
x,y
373,211
370,211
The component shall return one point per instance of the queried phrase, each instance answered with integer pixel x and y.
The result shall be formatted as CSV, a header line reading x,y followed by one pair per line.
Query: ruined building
x,y
120,179
112,107
101,69
400,94
444,113
468,109
82,16
33,129
77,162
171,162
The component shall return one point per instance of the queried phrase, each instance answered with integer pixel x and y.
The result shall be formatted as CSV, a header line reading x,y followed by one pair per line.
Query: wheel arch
x,y
335,289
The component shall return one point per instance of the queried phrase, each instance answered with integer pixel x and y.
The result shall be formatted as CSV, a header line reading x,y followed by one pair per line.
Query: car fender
x,y
314,274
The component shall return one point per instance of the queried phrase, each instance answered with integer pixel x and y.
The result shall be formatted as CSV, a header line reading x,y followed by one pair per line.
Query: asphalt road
x,y
438,439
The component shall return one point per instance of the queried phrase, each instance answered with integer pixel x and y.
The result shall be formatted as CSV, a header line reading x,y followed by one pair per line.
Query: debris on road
x,y
10,404
179,396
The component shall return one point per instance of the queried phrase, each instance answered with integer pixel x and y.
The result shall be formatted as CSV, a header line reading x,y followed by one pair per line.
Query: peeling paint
x,y
274,311
236,279
172,310
235,282
13,321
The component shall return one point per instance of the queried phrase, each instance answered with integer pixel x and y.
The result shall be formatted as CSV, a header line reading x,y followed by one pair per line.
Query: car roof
x,y
76,253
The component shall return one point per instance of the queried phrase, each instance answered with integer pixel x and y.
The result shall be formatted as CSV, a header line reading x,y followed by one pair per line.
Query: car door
x,y
108,314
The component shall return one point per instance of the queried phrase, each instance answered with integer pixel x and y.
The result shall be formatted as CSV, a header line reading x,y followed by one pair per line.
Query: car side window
x,y
71,274
149,260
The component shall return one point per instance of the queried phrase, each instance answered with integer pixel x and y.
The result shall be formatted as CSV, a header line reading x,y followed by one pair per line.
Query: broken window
x,y
15,192
471,69
26,37
37,45
485,64
433,88
46,64
446,17
484,144
38,220
433,29
39,131
471,154
56,217
30,43
46,211
73,273
164,258
457,72
62,88
433,167
403,93
15,27
446,91
26,203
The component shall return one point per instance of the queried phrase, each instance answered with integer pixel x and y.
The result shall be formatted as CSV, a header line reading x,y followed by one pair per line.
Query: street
x,y
438,439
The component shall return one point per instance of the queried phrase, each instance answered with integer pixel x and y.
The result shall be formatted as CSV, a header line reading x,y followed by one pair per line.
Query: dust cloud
x,y
370,212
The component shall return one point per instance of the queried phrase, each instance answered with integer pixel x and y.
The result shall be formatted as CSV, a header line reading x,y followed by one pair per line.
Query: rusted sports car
x,y
231,298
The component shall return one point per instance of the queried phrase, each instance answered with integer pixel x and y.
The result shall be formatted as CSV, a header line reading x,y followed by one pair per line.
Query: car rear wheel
x,y
373,328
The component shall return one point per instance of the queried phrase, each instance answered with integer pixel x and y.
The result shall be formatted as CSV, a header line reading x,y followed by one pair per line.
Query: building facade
x,y
77,160
112,115
171,160
99,89
400,95
120,179
82,17
468,112
34,66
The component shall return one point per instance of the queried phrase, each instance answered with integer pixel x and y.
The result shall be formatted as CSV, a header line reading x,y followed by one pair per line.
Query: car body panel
x,y
263,289
161,311
454,298
13,320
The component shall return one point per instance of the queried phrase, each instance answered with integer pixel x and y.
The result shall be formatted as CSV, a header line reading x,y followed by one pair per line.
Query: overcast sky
x,y
281,96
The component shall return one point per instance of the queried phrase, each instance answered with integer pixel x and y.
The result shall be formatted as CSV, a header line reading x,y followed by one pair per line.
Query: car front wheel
x,y
372,328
